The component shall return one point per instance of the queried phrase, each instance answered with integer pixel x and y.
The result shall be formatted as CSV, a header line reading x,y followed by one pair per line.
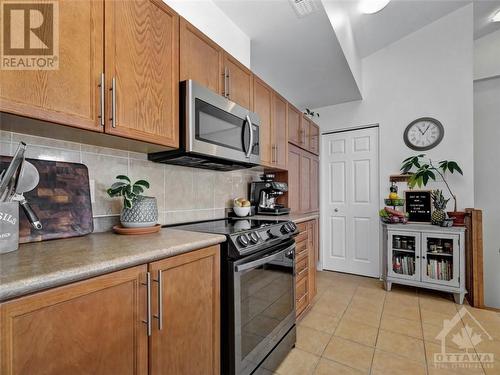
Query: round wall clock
x,y
423,134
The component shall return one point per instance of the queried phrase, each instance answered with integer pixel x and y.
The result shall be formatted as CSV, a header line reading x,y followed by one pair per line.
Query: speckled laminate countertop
x,y
42,265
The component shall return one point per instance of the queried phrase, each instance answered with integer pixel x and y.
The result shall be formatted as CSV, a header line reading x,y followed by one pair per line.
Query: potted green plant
x,y
138,211
422,170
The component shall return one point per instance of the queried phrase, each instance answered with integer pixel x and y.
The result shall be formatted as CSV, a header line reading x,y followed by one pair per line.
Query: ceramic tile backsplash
x,y
183,194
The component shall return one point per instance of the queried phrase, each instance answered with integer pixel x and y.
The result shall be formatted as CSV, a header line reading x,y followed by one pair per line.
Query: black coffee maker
x,y
265,193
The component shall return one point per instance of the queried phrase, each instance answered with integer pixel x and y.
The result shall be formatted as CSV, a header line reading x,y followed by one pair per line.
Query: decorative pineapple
x,y
440,203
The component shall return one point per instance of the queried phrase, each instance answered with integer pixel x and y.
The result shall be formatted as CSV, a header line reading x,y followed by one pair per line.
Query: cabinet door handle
x,y
148,304
272,154
224,93
228,82
159,316
113,102
101,99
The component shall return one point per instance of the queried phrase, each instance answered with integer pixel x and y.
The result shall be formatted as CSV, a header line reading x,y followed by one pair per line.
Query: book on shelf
x,y
403,265
440,269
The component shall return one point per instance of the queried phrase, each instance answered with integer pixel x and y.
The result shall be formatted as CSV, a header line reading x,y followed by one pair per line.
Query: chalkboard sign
x,y
418,205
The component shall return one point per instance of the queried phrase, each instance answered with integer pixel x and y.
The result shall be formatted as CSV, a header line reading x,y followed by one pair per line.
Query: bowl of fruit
x,y
241,207
392,216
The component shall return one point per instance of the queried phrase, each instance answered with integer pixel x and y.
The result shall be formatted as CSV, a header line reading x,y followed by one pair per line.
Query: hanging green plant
x,y
130,192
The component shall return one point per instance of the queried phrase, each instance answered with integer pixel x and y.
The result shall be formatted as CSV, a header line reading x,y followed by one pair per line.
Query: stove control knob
x,y
292,226
254,237
243,240
285,229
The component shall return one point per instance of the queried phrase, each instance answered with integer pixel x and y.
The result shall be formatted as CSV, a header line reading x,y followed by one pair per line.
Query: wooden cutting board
x,y
61,200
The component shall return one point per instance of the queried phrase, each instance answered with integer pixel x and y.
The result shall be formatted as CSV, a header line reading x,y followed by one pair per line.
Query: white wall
x,y
487,180
427,73
212,21
487,56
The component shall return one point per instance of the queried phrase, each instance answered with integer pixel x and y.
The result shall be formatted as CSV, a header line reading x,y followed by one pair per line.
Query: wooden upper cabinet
x,y
280,131
294,155
314,184
142,57
237,82
200,57
262,105
69,95
314,138
90,327
305,133
189,341
305,182
294,123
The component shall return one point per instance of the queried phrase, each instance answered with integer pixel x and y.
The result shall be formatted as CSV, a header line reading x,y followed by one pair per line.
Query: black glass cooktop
x,y
227,226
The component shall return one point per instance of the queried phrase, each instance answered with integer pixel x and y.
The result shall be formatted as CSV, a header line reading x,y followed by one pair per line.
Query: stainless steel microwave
x,y
215,133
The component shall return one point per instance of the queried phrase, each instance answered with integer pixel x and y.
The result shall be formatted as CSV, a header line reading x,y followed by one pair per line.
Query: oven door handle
x,y
250,146
261,261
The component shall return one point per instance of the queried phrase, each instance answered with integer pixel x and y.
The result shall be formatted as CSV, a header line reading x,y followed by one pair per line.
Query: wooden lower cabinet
x,y
188,343
90,327
306,259
97,326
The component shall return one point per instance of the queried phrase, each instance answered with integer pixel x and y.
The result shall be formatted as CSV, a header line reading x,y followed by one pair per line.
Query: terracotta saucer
x,y
146,230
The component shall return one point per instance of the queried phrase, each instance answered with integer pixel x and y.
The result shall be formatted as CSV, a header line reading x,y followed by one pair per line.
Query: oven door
x,y
219,127
264,304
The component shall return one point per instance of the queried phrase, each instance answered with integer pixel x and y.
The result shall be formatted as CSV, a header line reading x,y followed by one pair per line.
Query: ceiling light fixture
x,y
372,6
496,17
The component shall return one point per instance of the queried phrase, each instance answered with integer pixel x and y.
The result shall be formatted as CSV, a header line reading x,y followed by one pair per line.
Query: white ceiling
x,y
302,58
483,11
299,57
399,18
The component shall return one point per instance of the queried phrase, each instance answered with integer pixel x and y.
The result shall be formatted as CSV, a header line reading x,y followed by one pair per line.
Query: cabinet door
x,y
189,340
69,95
263,102
239,82
314,183
403,255
305,131
441,259
294,119
200,57
280,131
142,56
314,138
305,182
90,327
312,259
294,154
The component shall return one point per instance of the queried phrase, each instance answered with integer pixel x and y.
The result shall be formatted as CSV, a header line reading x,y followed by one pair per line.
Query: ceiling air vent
x,y
304,7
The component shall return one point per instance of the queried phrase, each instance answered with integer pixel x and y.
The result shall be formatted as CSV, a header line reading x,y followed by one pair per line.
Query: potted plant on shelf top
x,y
138,211
423,170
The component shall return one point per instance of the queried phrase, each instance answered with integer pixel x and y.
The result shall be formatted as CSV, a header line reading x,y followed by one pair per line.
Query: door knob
x,y
336,210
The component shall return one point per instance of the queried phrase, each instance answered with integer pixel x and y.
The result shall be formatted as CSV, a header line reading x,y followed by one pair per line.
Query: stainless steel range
x,y
257,292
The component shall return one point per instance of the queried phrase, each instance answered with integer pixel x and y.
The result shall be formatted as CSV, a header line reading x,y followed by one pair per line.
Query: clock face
x,y
423,134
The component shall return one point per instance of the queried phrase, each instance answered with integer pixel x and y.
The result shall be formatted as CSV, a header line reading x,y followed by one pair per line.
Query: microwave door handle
x,y
250,147
261,261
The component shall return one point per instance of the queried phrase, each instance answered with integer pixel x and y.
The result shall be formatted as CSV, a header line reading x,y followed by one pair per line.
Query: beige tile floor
x,y
356,327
